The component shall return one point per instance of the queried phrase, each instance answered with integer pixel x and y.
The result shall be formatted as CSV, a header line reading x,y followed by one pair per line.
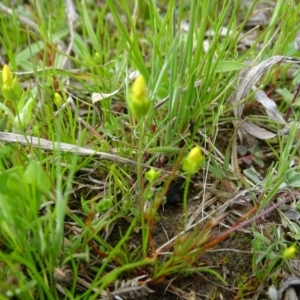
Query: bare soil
x,y
231,259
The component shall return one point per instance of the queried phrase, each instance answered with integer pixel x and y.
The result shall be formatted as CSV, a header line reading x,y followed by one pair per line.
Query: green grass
x,y
75,191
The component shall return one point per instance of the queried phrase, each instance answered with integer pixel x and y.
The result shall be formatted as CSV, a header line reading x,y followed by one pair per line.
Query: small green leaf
x,y
242,150
255,149
286,94
22,120
36,176
3,122
104,205
5,188
135,212
253,175
259,161
293,178
262,238
15,184
229,66
297,236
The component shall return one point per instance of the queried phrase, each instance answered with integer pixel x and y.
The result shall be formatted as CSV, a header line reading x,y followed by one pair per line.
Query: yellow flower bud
x,y
289,252
152,175
58,100
139,104
139,88
11,88
97,58
193,161
7,76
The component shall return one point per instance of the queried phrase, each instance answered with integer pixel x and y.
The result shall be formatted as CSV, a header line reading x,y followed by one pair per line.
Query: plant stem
x,y
185,200
140,186
289,111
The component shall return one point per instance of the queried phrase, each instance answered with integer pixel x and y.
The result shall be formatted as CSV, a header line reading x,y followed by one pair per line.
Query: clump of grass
x,y
97,153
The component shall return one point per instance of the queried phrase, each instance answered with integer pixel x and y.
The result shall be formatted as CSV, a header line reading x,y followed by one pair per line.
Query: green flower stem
x,y
185,199
140,198
139,164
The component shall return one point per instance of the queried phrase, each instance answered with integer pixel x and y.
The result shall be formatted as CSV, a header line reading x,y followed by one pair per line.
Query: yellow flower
x,y
289,252
7,76
139,104
193,161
